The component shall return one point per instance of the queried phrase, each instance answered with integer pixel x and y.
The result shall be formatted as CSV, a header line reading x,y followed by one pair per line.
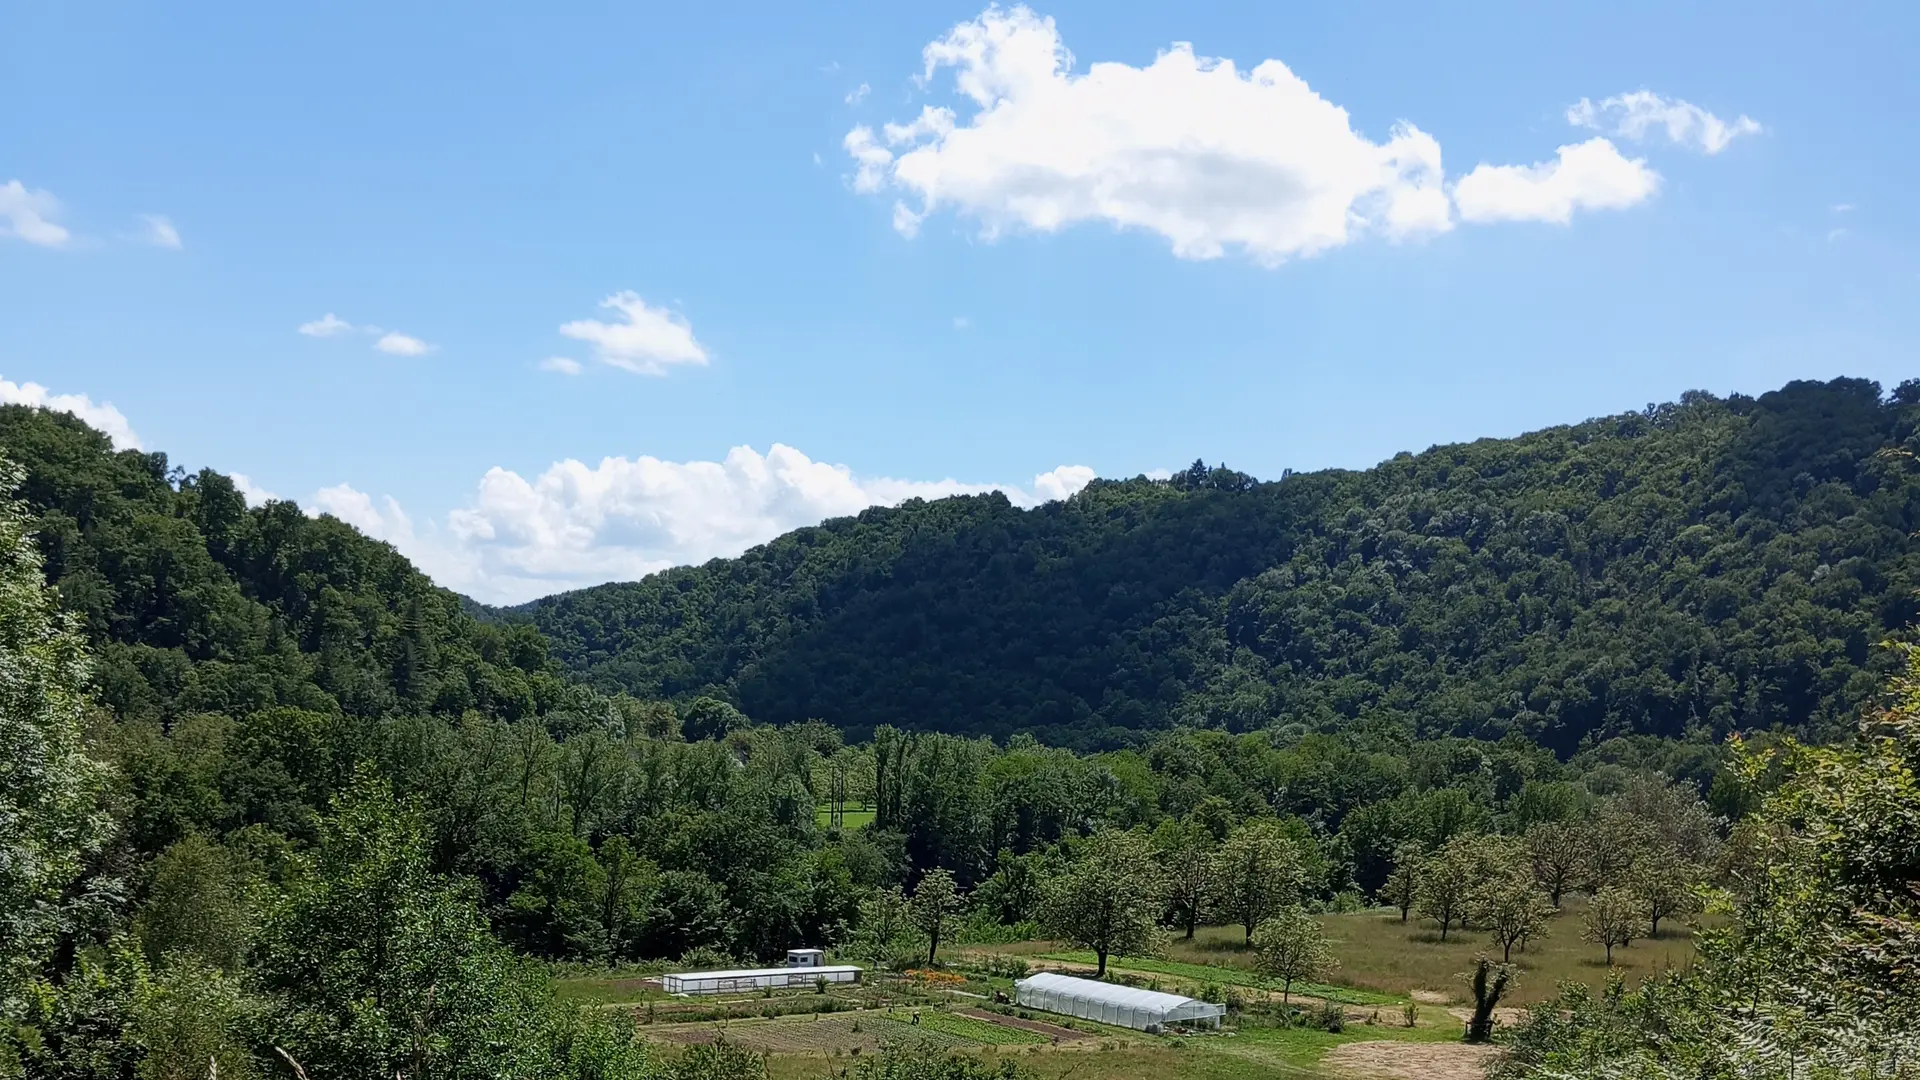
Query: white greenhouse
x,y
805,967
1122,1006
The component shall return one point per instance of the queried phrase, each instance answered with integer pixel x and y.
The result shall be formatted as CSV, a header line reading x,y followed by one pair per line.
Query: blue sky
x,y
1112,266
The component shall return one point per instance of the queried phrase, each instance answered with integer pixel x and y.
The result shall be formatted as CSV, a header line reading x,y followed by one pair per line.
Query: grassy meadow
x,y
1380,955
1384,966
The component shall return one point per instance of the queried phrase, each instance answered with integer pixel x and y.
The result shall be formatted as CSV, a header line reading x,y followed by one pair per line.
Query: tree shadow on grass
x,y
1432,937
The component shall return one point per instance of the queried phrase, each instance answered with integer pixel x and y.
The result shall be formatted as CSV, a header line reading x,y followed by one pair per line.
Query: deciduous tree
x,y
1512,909
935,900
1664,885
1402,889
1256,872
1555,850
51,820
1185,853
1109,897
1612,919
1292,946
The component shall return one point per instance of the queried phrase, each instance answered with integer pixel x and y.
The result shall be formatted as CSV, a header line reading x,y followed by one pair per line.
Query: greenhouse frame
x,y
1122,1006
746,979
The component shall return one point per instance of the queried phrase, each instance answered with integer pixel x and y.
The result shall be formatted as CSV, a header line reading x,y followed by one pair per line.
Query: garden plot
x,y
848,1033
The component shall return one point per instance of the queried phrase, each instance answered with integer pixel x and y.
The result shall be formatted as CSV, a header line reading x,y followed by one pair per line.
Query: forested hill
x,y
1688,570
194,603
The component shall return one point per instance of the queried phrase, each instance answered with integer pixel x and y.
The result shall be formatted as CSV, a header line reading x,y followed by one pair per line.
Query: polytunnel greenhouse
x,y
1122,1006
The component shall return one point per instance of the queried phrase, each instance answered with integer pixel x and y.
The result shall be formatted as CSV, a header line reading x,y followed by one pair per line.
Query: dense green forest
x,y
269,794
1697,568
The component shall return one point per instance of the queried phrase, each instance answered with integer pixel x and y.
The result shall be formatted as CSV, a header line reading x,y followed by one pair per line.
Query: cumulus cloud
x,y
1191,148
576,525
858,94
255,494
1643,112
647,340
28,215
382,521
561,364
394,343
1588,176
326,325
160,231
1211,157
102,416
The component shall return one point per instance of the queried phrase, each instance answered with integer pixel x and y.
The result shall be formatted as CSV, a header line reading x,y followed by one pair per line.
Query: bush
x,y
1347,903
1328,1016
705,958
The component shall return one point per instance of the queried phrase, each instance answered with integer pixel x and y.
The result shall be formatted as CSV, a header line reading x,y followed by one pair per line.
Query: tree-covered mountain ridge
x,y
1699,567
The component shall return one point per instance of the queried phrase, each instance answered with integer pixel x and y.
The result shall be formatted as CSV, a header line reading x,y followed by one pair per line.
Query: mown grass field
x,y
1379,954
851,817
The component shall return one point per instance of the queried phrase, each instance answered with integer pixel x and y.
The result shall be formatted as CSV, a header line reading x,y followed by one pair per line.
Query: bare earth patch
x,y
1053,1031
1503,1017
1388,1060
1431,997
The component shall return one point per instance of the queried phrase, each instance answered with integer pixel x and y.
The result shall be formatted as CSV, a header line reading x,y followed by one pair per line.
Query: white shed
x,y
1122,1006
745,979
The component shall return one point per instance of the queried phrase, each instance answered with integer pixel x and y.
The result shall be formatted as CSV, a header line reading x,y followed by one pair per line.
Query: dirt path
x,y
1503,1017
1389,1060
1053,1031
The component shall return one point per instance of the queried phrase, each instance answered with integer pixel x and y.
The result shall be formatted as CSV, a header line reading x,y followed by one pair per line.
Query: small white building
x,y
805,967
1108,1003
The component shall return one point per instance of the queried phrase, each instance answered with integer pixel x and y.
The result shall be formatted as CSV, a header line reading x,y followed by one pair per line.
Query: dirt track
x,y
1389,1060
1053,1031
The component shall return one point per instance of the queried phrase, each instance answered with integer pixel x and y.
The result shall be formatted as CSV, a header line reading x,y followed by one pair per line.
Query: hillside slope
x,y
192,602
1695,568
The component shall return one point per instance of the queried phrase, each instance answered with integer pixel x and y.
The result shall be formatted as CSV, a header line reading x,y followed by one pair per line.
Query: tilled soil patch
x,y
1052,1031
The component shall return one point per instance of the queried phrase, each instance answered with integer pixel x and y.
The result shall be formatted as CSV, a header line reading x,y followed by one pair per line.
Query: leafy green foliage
x,y
51,819
1292,947
1257,872
1108,898
192,602
1814,973
1697,568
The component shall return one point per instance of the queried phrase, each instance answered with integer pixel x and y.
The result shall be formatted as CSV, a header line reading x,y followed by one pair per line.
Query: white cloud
x,y
1635,115
1191,148
858,94
160,231
326,326
250,491
382,521
1842,208
561,364
1061,483
961,322
1587,176
576,525
28,215
646,341
102,416
395,343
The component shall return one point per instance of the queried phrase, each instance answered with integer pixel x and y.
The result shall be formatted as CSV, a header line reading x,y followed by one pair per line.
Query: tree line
x,y
1696,568
266,787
